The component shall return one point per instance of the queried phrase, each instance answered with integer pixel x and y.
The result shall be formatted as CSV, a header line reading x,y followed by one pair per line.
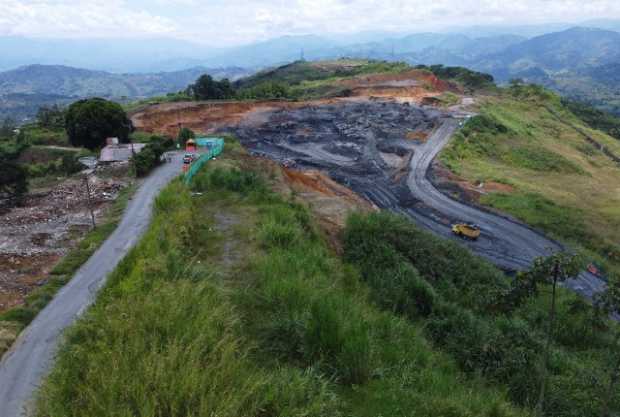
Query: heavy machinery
x,y
466,230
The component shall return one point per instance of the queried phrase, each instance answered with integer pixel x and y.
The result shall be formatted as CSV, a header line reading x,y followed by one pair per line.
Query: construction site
x,y
366,146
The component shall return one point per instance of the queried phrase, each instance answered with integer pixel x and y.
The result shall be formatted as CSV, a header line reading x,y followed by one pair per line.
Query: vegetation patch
x,y
289,331
595,118
487,323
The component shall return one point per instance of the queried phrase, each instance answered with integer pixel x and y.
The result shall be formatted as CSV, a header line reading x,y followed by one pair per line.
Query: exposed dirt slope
x,y
412,86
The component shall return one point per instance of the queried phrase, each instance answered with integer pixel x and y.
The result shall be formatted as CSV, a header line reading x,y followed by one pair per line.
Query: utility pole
x,y
90,204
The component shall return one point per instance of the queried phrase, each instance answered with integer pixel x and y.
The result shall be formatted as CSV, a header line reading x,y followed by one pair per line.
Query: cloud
x,y
89,18
238,21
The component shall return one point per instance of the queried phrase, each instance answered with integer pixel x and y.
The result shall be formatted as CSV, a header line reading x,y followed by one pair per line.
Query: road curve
x,y
30,358
504,241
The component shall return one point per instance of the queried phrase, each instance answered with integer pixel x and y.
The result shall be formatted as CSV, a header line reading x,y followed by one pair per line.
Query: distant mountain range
x,y
582,63
579,63
24,89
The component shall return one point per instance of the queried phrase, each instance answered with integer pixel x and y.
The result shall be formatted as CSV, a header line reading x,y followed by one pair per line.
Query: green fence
x,y
209,149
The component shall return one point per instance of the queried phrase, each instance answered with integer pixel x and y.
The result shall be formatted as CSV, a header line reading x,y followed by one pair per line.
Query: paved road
x,y
23,367
504,241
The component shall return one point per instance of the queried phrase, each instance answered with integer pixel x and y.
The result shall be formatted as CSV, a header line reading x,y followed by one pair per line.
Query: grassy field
x,y
233,305
561,183
15,320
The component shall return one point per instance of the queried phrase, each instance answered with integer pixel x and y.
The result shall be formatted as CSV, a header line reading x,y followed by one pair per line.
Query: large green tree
x,y
89,122
206,88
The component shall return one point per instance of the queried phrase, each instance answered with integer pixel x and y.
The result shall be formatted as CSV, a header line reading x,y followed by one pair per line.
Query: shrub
x,y
269,90
234,180
150,156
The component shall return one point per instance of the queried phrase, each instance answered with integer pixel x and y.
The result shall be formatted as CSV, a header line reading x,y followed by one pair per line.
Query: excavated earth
x,y
365,146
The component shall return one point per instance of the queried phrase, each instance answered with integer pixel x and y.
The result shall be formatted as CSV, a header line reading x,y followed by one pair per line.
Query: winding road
x,y
30,358
504,241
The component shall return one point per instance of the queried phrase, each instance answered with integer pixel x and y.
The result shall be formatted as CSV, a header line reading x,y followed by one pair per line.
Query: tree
x,y
185,134
206,88
7,128
609,302
51,117
551,270
13,176
89,122
149,157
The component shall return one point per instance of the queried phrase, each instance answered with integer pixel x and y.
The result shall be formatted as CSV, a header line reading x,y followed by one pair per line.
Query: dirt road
x,y
23,367
505,242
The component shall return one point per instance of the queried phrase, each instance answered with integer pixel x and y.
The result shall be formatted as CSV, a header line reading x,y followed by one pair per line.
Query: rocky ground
x,y
36,234
365,146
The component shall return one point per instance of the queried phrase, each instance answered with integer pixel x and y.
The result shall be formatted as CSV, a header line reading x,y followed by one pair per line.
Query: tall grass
x,y
469,312
290,333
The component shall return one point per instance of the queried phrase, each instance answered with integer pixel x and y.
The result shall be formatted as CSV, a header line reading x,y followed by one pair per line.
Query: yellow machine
x,y
470,231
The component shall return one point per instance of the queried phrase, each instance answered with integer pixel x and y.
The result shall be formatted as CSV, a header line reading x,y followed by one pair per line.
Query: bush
x,y
269,90
234,180
13,176
150,156
185,134
472,80
70,165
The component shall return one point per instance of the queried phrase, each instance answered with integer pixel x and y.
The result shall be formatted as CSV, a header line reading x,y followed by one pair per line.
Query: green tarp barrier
x,y
213,146
207,141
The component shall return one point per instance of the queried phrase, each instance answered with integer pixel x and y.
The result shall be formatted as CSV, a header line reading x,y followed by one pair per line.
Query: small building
x,y
120,152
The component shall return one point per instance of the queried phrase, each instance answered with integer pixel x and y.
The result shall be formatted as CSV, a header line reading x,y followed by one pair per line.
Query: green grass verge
x,y
289,330
18,318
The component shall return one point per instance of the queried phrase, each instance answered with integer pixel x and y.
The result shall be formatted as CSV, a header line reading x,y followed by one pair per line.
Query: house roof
x,y
120,152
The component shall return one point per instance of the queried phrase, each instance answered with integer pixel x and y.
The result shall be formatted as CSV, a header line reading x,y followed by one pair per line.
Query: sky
x,y
234,22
